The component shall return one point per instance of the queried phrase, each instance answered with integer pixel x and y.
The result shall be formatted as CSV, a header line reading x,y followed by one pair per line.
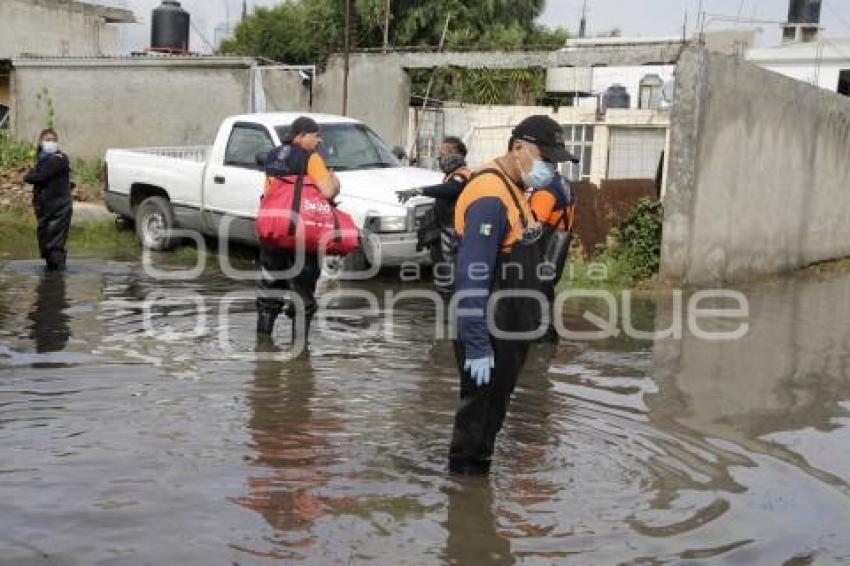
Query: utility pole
x,y
244,10
582,30
387,25
347,57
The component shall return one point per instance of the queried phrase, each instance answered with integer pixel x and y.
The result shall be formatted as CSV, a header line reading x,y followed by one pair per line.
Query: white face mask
x,y
50,147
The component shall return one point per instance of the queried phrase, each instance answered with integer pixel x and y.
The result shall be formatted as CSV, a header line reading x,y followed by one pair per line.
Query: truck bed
x,y
177,170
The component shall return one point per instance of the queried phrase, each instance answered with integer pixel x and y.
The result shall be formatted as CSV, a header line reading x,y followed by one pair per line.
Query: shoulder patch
x,y
486,230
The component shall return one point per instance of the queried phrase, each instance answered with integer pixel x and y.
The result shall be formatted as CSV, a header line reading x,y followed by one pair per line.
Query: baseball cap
x,y
302,125
545,133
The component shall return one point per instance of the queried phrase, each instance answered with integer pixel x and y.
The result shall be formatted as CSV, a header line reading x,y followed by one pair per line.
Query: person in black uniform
x,y
51,199
297,156
437,232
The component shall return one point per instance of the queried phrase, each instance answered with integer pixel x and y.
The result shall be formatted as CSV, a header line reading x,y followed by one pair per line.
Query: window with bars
x,y
579,140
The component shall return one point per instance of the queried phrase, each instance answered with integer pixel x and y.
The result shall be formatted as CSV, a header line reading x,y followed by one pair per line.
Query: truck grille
x,y
421,215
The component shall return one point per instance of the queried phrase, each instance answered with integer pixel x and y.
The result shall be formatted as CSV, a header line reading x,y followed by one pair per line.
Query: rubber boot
x,y
265,322
307,322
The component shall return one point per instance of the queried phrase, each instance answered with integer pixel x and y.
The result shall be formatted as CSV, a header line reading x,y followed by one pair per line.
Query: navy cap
x,y
545,133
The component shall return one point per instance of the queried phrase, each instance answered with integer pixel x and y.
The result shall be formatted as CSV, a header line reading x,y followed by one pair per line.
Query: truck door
x,y
233,187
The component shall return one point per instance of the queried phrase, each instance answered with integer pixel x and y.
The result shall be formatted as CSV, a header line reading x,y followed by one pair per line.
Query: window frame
x,y
581,146
248,126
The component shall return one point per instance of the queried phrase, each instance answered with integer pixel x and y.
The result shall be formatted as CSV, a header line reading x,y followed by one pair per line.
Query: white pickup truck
x,y
200,188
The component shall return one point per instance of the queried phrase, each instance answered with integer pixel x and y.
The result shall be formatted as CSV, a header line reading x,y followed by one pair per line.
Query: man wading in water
x,y
499,251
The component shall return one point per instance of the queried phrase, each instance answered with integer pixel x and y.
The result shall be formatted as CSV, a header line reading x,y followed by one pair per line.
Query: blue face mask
x,y
541,173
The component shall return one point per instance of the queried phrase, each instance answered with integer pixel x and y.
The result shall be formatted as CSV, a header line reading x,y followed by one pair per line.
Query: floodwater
x,y
125,442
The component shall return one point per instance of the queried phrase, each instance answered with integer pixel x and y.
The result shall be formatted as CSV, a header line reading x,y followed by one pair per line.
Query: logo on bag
x,y
312,206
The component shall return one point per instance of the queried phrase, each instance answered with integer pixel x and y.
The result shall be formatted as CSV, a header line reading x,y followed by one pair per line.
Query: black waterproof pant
x,y
54,224
482,410
303,283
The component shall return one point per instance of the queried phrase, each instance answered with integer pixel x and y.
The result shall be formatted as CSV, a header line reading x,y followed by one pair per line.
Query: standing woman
x,y
51,199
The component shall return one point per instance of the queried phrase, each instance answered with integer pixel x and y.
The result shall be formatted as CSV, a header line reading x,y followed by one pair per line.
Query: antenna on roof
x,y
582,30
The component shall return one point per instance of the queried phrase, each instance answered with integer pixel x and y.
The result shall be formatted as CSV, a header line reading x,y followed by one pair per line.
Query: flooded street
x,y
123,446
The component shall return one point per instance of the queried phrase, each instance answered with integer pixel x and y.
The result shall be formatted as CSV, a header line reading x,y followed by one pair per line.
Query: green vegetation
x,y
308,31
631,257
88,176
43,97
15,154
98,239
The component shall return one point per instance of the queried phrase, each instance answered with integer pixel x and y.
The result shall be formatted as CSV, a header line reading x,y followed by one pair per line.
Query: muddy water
x,y
126,442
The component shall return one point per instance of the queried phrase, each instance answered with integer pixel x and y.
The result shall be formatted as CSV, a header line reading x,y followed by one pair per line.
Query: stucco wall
x,y
99,106
759,174
53,28
378,94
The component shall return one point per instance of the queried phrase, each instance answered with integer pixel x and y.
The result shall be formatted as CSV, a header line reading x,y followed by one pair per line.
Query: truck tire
x,y
342,267
154,221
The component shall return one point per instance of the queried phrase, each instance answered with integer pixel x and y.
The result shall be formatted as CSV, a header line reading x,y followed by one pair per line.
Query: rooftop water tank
x,y
617,97
170,28
804,12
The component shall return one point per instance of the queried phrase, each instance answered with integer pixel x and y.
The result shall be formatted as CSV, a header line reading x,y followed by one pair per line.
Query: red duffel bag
x,y
294,209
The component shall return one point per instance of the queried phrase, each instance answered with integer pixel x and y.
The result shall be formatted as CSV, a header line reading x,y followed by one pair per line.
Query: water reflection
x,y
292,451
618,451
473,530
49,329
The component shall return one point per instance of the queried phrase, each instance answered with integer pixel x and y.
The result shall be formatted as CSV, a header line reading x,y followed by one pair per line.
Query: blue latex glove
x,y
479,369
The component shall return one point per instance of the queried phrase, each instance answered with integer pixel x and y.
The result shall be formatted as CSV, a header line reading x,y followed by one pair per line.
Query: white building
x,y
824,63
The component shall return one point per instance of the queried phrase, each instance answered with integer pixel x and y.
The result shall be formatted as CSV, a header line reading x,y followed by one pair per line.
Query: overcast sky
x,y
633,17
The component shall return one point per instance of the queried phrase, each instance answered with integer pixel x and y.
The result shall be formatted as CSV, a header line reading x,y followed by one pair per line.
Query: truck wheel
x,y
356,261
154,222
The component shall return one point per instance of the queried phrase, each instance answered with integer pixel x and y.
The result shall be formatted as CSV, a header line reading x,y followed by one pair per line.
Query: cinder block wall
x,y
759,178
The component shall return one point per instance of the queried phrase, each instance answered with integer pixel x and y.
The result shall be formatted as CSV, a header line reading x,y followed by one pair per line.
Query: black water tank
x,y
804,12
617,97
170,28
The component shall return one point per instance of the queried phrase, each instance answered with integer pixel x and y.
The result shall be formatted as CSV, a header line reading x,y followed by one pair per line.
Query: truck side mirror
x,y
261,158
399,153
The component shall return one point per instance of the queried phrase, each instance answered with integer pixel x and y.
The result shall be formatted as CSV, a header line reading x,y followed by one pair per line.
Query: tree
x,y
308,31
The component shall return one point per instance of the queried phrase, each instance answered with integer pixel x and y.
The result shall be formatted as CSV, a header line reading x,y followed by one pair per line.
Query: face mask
x,y
541,173
449,163
50,147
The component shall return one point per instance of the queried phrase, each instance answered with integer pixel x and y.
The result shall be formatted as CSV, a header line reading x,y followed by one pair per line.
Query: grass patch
x,y
100,239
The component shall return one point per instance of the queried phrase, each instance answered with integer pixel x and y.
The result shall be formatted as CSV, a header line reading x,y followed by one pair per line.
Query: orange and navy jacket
x,y
488,222
555,204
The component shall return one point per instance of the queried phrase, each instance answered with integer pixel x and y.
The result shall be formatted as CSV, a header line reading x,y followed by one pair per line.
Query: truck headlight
x,y
383,224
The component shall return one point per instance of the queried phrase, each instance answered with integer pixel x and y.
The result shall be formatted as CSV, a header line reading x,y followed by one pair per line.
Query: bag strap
x,y
296,204
507,184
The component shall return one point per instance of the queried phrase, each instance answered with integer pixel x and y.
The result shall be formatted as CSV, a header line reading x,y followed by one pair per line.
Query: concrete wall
x,y
124,103
758,173
284,91
57,28
378,94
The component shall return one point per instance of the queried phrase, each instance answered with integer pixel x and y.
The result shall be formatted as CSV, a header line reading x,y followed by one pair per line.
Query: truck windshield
x,y
349,147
